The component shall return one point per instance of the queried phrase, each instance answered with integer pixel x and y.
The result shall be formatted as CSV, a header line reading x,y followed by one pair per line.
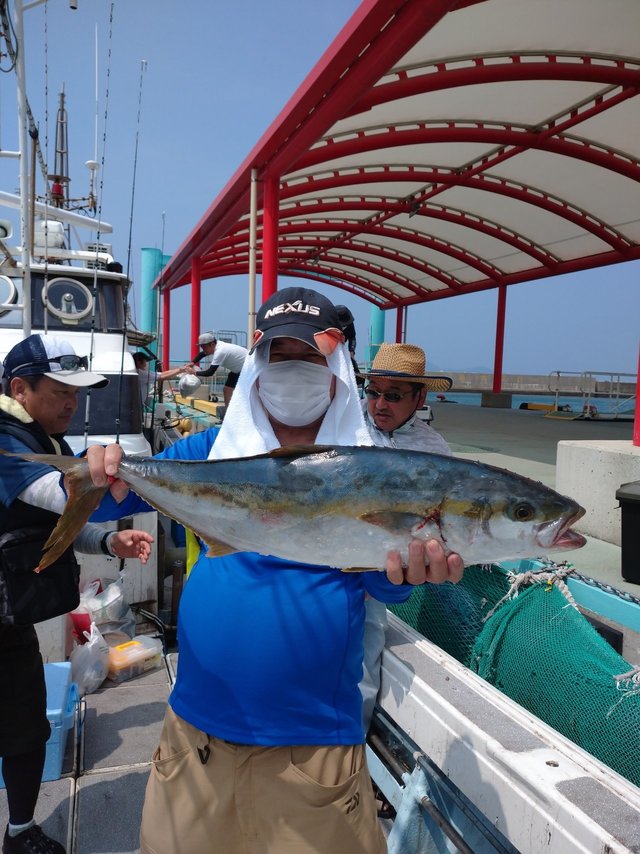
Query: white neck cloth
x,y
246,430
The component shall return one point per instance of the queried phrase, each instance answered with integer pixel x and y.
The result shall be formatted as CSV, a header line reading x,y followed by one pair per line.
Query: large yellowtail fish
x,y
339,506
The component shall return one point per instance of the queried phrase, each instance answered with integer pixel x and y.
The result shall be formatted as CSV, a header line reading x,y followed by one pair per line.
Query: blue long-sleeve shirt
x,y
270,650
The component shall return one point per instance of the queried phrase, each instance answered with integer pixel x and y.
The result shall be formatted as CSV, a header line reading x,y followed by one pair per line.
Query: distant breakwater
x,y
541,384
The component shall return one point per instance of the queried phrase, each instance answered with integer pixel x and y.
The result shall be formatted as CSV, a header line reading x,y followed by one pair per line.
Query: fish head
x,y
500,515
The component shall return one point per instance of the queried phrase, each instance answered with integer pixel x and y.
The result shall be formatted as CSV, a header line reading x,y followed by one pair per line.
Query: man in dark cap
x,y
147,378
41,379
264,733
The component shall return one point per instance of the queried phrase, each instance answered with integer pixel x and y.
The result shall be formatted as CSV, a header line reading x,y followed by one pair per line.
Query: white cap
x,y
207,338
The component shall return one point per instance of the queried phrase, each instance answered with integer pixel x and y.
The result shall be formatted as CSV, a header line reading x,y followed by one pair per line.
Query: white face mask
x,y
295,393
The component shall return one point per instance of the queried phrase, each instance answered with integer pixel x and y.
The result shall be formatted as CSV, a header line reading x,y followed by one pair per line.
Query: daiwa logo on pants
x,y
297,307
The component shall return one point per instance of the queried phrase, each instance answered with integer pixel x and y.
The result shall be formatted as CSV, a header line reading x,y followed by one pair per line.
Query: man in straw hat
x,y
396,390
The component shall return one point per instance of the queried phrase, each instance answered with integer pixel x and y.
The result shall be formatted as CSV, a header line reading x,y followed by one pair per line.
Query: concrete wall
x,y
541,384
591,472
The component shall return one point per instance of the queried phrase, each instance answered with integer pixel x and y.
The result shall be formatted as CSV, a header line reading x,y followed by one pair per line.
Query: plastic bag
x,y
109,606
90,662
108,609
81,616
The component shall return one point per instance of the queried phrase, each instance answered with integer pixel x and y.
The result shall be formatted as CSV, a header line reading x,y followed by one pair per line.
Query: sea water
x,y
574,402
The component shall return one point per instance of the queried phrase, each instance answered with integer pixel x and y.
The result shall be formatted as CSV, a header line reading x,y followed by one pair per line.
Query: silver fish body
x,y
344,507
348,506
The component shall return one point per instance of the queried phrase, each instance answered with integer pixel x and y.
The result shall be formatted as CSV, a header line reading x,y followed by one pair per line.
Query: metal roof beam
x,y
376,36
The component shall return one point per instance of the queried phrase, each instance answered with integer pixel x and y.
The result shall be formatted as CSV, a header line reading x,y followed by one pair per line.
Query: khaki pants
x,y
208,795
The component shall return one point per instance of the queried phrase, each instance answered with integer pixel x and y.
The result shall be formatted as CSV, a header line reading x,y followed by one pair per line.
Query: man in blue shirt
x,y
263,746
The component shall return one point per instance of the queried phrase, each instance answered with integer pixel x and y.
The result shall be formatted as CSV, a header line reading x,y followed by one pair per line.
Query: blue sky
x,y
217,74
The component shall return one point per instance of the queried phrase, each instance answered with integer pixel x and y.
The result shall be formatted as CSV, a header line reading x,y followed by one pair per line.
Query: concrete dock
x,y
527,442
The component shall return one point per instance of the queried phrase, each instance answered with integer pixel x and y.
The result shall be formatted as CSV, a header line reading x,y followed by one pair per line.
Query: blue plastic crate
x,y
62,700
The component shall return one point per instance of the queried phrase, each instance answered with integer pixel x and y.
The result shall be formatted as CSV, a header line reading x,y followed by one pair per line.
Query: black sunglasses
x,y
389,396
67,363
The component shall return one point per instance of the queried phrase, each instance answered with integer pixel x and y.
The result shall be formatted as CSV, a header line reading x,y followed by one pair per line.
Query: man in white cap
x,y
224,355
41,378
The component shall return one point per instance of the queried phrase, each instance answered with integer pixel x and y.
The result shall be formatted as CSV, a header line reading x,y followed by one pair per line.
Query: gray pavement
x,y
519,433
96,806
526,442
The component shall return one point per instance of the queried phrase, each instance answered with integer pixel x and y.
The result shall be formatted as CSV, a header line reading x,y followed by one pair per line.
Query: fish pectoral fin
x,y
362,569
218,549
395,523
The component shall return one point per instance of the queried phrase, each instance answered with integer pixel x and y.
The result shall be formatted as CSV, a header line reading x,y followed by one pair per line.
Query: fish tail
x,y
83,497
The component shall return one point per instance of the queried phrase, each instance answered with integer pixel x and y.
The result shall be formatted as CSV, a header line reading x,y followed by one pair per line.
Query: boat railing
x,y
617,387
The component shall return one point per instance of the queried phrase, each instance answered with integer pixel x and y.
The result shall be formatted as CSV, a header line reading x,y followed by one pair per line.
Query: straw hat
x,y
407,363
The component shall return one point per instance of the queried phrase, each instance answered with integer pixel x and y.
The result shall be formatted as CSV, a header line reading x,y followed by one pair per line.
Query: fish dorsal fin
x,y
290,451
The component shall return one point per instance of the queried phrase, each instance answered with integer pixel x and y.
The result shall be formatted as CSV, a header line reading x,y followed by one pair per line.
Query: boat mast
x,y
23,134
60,178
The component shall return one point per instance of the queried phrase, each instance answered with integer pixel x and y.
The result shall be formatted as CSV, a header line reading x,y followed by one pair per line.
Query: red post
x,y
636,420
270,236
499,349
399,324
166,326
196,284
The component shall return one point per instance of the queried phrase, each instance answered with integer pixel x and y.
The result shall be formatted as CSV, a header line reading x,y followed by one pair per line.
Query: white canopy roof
x,y
443,147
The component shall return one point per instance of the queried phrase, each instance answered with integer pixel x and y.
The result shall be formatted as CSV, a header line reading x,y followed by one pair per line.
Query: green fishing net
x,y
527,639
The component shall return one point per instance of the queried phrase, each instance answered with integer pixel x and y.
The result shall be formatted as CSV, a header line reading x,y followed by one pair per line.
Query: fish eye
x,y
522,512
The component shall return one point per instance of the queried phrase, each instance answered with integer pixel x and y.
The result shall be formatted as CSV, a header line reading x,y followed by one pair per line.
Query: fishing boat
x,y
59,277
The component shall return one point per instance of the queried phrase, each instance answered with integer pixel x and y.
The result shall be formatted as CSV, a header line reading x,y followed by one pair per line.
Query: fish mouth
x,y
558,535
569,540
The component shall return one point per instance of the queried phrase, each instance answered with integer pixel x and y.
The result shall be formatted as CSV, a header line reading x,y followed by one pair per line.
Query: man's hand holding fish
x,y
427,562
103,467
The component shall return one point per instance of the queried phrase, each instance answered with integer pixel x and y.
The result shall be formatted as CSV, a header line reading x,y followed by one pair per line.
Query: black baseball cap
x,y
299,313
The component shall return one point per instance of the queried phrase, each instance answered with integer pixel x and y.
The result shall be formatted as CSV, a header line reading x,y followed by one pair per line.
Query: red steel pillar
x,y
400,324
636,420
270,236
499,349
166,325
196,283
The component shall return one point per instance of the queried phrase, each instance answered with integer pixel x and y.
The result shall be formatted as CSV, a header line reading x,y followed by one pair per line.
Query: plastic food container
x,y
134,657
